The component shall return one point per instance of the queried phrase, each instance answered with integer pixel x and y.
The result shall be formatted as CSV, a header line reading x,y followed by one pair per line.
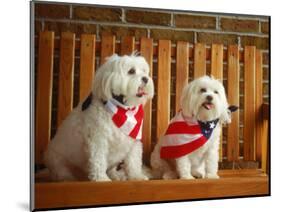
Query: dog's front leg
x,y
183,166
97,161
133,163
211,164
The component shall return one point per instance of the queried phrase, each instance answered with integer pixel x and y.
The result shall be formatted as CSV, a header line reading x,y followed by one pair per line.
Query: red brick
x,y
265,89
97,13
145,17
265,73
195,21
123,31
52,11
238,25
76,28
174,35
259,42
265,27
210,38
265,58
37,27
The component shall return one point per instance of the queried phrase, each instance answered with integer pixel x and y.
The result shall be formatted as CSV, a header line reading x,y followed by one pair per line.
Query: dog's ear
x,y
232,108
87,102
187,98
103,79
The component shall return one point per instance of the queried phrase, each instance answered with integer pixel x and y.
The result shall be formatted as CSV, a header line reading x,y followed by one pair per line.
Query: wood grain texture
x,y
163,87
68,194
66,73
217,72
182,70
259,101
44,94
217,61
249,102
233,76
127,45
107,46
265,138
199,60
146,50
87,65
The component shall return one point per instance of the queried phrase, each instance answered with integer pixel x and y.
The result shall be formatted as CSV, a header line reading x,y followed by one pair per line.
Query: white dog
x,y
191,142
105,129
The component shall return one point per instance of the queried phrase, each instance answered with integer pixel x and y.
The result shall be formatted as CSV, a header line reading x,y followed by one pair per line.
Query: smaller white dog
x,y
190,146
106,128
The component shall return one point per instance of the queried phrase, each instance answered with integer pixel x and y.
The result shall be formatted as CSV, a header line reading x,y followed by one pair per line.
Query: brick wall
x,y
158,24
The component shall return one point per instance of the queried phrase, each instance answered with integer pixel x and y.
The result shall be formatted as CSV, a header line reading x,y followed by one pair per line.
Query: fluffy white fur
x,y
204,161
88,145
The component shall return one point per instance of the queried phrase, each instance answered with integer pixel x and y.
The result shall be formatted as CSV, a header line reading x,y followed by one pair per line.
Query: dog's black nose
x,y
144,79
209,98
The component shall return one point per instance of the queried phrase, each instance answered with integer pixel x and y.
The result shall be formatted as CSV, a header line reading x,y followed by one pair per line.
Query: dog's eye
x,y
216,92
203,90
132,71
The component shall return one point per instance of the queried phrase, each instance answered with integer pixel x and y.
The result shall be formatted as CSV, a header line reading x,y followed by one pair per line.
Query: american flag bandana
x,y
185,135
128,120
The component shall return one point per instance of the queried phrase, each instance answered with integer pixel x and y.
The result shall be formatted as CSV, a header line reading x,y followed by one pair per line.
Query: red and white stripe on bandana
x,y
185,135
128,120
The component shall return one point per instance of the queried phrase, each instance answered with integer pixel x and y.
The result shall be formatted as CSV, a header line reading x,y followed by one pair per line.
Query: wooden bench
x,y
174,63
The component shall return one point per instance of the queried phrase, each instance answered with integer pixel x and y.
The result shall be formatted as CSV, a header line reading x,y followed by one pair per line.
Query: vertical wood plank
x,y
44,94
217,72
259,101
249,102
265,140
66,72
182,69
87,65
163,86
217,61
146,50
233,99
107,47
127,45
199,60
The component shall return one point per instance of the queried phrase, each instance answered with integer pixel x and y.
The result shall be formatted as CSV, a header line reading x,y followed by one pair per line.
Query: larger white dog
x,y
190,145
105,129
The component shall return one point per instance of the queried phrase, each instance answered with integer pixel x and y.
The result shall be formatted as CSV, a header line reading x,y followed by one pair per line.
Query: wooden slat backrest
x,y
233,73
107,47
127,45
44,94
146,50
252,58
182,69
163,87
217,72
249,102
199,60
66,73
87,64
259,100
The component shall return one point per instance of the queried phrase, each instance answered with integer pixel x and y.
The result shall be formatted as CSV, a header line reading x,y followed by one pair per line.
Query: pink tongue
x,y
209,106
140,90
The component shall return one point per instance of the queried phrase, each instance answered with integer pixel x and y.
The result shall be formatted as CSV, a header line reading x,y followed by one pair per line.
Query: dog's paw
x,y
99,179
169,175
187,177
197,174
212,176
139,177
